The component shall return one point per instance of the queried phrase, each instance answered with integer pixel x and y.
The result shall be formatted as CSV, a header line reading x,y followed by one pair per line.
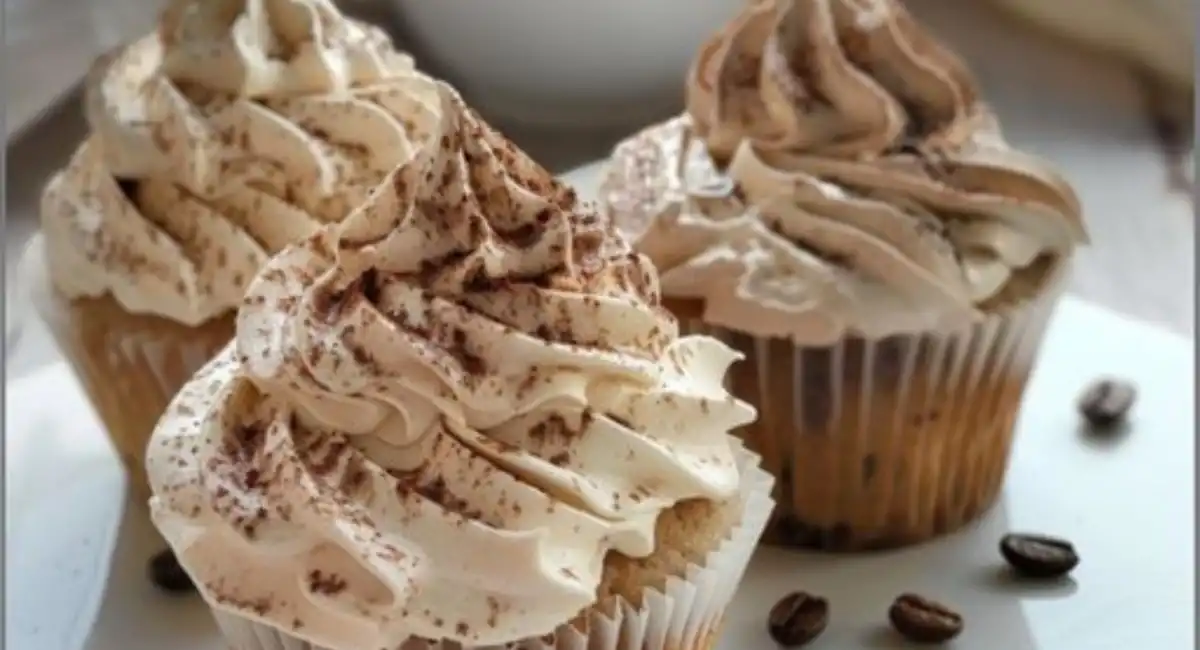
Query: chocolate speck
x,y
560,459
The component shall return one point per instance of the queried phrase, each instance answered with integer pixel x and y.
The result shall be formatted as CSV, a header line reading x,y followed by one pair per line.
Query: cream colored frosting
x,y
241,126
836,173
440,415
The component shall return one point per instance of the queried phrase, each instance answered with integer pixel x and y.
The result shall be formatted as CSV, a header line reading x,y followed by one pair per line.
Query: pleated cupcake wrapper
x,y
884,443
684,615
130,365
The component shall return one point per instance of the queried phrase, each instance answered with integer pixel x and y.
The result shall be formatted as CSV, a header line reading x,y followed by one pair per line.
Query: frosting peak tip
x,y
472,208
828,76
262,48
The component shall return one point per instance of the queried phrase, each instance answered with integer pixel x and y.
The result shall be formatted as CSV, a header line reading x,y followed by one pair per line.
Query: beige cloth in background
x,y
1156,35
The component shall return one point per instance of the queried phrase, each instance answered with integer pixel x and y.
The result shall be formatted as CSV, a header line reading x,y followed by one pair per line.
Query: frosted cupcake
x,y
461,417
838,205
239,127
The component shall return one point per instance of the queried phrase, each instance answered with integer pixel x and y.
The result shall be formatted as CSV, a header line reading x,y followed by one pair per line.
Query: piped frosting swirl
x,y
273,48
838,78
836,173
442,414
238,127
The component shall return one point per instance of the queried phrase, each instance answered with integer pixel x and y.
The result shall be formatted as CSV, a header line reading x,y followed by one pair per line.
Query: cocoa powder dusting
x,y
244,441
561,459
325,584
472,363
437,492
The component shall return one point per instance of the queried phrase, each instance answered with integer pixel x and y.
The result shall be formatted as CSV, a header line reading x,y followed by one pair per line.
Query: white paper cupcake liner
x,y
130,365
884,443
684,615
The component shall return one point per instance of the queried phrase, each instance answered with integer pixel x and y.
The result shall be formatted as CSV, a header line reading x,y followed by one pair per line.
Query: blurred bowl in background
x,y
563,62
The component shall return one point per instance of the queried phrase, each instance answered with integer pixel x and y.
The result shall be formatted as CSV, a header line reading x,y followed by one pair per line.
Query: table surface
x,y
1084,114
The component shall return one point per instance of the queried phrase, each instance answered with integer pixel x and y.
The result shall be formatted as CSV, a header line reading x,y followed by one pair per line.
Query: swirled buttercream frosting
x,y
836,173
238,127
439,416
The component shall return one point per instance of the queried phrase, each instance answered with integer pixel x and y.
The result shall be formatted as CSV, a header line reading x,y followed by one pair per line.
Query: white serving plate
x,y
1127,502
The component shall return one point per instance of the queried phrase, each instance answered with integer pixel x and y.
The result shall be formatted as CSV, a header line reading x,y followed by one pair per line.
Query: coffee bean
x,y
1038,556
166,574
921,620
797,619
1106,402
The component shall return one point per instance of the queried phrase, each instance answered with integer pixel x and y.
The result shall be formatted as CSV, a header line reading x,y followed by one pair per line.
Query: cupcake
x,y
461,418
839,205
235,129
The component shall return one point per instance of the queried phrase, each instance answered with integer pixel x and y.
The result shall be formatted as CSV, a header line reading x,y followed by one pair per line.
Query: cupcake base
x,y
130,365
878,444
241,634
684,612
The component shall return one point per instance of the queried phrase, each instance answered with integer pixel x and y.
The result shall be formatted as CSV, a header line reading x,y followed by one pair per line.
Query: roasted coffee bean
x,y
921,620
1106,402
1038,556
797,619
166,574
